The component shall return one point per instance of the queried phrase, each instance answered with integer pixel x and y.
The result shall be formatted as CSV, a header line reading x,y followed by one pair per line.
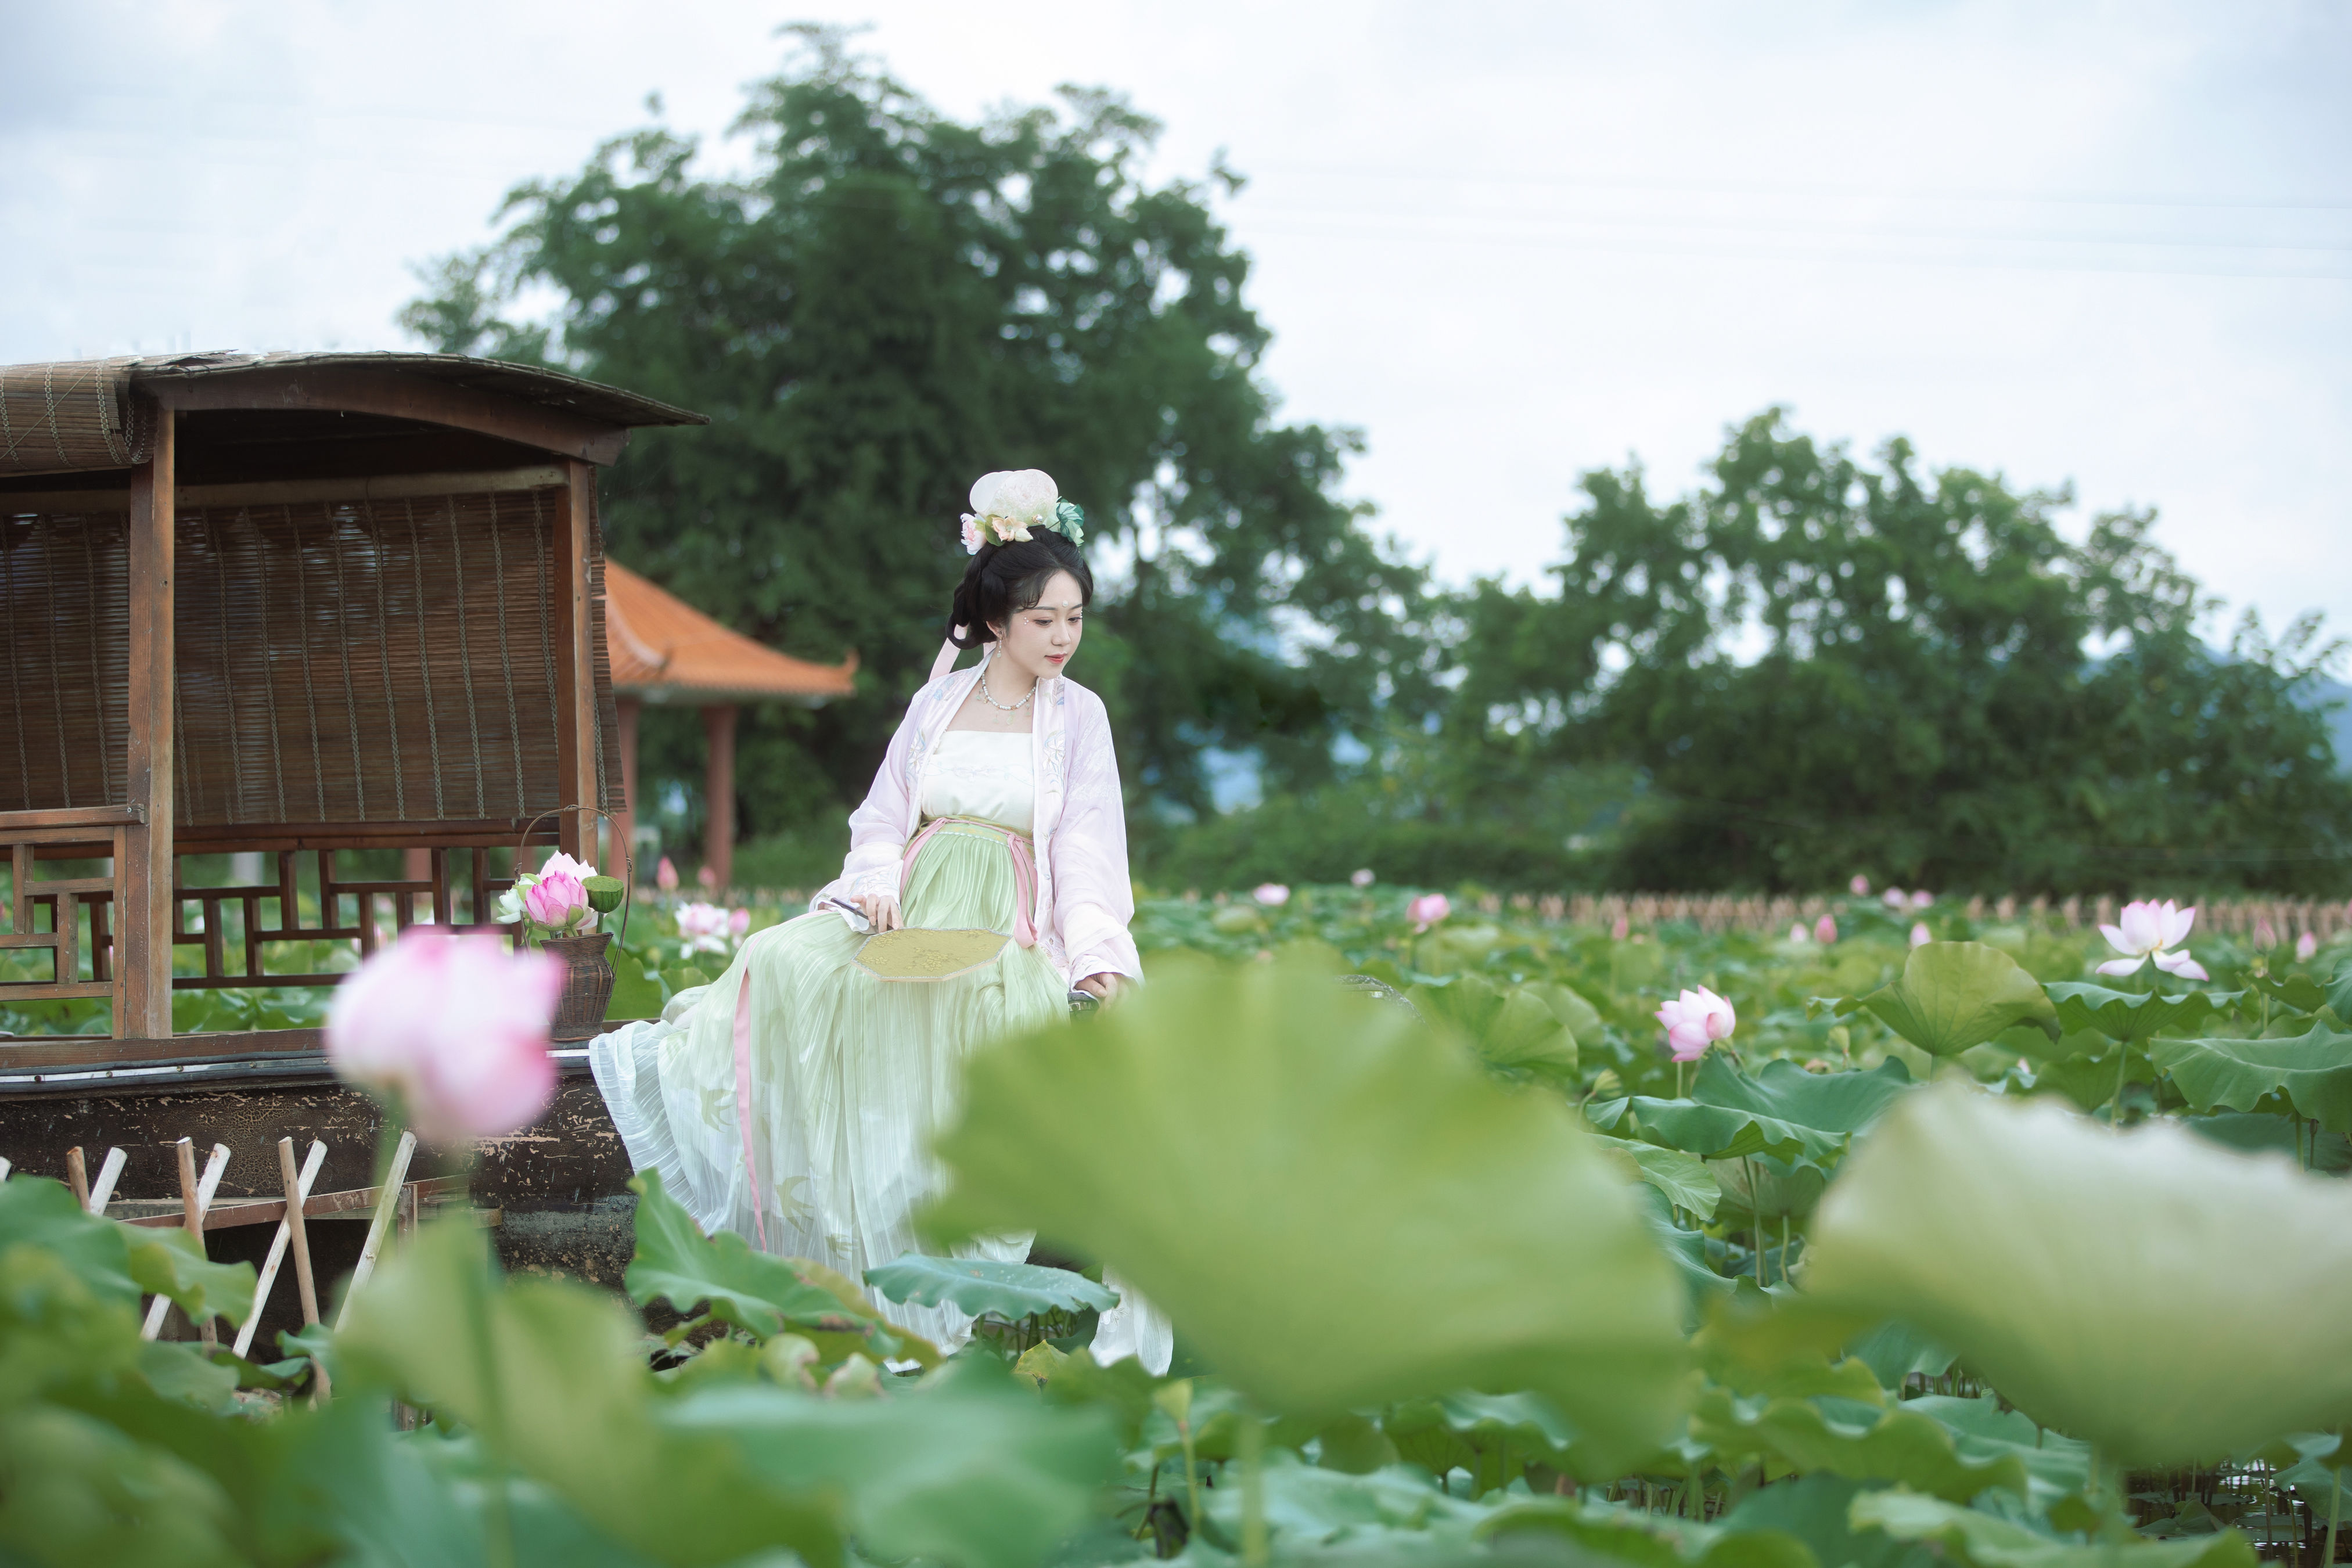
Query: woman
x,y
794,1101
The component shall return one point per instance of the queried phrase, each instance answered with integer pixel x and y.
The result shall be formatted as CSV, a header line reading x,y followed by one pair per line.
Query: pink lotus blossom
x,y
708,877
1428,909
1894,899
666,876
2150,931
1619,928
1922,900
1798,933
454,1029
1361,879
559,863
738,921
972,537
1825,930
1920,935
1696,1020
1860,886
706,928
1273,895
2306,946
556,901
2266,934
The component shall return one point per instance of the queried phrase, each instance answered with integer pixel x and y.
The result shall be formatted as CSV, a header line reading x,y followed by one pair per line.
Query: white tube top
x,y
985,775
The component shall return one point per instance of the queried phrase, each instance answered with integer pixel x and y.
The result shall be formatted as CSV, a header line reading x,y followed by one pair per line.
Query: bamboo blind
x,y
368,661
78,413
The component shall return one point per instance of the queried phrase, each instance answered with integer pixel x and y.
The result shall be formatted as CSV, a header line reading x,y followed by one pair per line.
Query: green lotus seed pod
x,y
604,893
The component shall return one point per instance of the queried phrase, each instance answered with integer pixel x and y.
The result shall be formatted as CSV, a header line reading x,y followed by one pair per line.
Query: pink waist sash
x,y
1024,868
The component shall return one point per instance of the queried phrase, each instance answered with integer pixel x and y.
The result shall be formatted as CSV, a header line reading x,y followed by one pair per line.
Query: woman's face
x,y
1041,638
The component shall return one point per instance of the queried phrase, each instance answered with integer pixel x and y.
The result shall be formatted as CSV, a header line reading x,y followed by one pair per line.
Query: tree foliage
x,y
1823,666
884,302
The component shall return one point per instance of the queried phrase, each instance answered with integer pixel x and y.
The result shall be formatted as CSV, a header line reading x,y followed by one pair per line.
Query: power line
x,y
1853,192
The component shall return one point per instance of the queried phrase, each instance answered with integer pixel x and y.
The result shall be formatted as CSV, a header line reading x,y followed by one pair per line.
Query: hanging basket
x,y
587,970
587,984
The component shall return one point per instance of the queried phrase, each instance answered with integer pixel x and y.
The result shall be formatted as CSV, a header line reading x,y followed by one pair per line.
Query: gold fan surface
x,y
914,954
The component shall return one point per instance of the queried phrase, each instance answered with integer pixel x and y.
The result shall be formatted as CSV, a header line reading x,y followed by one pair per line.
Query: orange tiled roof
x,y
666,650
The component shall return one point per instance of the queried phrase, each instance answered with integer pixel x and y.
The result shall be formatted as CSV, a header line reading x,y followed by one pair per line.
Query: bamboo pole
x,y
77,1177
387,1204
196,1198
109,1172
297,1192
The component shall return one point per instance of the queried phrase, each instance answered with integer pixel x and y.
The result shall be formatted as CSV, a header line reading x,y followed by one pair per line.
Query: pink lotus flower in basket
x,y
1696,1020
556,902
454,1029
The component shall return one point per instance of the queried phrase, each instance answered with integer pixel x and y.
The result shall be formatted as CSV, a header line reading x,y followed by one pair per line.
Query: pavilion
x,y
665,651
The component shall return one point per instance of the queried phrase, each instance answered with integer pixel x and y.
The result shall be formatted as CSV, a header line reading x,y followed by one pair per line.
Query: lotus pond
x,y
1949,1250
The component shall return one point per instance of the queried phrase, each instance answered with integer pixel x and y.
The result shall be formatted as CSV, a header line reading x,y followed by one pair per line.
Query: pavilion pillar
x,y
575,662
625,821
144,924
719,793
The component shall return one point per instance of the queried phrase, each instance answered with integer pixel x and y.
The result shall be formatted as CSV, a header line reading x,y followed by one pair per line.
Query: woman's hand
x,y
881,909
1104,987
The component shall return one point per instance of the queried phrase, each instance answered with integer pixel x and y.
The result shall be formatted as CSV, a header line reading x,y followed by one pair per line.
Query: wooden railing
x,y
77,920
86,833
346,912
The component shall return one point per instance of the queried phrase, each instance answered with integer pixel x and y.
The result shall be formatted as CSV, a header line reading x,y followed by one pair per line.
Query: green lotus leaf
x,y
2134,1015
968,1469
2339,993
1335,1207
1783,1111
2055,1465
1681,1177
1955,995
1645,1539
1308,1506
552,1374
754,1291
1983,1541
170,1263
979,1285
1895,1351
1813,1509
2063,1261
2312,1070
2255,1132
1846,1437
1512,1030
1766,1188
2300,992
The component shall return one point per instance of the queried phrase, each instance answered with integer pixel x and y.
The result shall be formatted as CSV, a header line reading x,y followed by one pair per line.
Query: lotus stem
x,y
1251,1441
2123,1076
1784,1248
2334,1510
499,1519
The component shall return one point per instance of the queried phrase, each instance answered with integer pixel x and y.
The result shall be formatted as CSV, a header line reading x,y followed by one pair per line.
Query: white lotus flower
x,y
2148,930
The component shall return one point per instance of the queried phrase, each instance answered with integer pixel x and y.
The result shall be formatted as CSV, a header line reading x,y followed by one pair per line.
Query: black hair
x,y
1005,579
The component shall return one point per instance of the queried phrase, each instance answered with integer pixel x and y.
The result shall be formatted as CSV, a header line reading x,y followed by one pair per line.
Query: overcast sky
x,y
2104,245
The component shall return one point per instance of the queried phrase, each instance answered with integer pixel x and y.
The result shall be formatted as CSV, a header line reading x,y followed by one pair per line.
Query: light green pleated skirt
x,y
851,1074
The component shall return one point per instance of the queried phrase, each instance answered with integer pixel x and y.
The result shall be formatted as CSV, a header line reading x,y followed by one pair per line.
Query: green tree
x,y
1821,666
884,303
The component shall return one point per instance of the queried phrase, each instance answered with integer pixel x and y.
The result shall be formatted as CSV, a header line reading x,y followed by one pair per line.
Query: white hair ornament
x,y
1007,505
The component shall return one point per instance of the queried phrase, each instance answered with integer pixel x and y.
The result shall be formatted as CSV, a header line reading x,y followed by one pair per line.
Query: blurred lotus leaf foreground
x,y
1934,1252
